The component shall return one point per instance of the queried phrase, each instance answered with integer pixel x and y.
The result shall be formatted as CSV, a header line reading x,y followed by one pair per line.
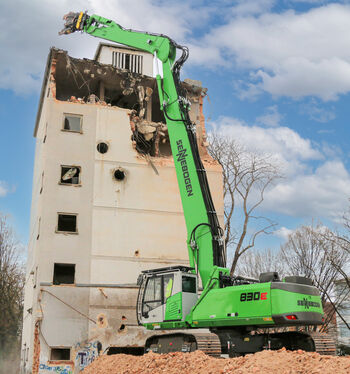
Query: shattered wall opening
x,y
70,174
90,82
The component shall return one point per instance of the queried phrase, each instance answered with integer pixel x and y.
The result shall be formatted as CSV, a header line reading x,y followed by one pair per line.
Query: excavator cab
x,y
166,294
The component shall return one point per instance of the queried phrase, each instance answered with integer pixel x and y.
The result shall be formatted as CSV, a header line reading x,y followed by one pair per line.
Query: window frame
x,y
63,284
193,279
70,184
70,353
144,313
67,232
72,115
163,298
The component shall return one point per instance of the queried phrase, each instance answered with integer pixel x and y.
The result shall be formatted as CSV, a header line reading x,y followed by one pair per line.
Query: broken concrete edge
x,y
49,77
43,90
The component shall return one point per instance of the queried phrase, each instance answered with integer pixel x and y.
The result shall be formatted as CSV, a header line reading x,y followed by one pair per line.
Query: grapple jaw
x,y
74,22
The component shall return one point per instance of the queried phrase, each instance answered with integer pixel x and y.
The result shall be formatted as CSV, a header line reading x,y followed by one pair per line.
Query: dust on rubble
x,y
271,362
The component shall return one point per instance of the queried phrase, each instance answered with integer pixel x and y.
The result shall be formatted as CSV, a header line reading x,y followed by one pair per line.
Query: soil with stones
x,y
271,362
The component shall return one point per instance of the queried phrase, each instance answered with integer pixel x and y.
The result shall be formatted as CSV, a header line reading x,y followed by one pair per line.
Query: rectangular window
x,y
188,284
60,354
127,61
63,274
67,222
72,123
70,175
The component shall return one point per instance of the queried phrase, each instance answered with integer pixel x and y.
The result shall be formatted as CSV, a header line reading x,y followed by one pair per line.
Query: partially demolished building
x,y
105,206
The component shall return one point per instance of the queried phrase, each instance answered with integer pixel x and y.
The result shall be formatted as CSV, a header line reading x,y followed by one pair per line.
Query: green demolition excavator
x,y
239,312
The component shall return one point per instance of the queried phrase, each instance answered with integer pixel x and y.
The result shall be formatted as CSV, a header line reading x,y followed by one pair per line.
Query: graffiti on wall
x,y
47,368
86,353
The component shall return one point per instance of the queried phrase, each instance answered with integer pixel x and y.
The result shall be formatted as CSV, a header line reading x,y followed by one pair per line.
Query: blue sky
x,y
278,78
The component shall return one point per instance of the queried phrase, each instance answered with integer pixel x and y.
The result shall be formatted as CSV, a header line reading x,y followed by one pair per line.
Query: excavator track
x,y
209,344
185,342
324,344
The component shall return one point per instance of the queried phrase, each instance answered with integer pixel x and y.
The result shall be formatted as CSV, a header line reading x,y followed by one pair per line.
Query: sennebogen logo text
x,y
181,157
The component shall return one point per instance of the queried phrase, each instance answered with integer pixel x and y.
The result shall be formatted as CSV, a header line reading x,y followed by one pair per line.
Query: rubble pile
x,y
269,362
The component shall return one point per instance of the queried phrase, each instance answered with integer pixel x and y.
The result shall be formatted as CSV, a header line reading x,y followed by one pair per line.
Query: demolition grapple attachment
x,y
74,22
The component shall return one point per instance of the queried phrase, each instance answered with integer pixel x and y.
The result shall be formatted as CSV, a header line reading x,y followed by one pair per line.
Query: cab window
x,y
188,284
153,294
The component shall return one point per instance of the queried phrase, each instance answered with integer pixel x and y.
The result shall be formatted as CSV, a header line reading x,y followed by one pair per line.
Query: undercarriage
x,y
238,342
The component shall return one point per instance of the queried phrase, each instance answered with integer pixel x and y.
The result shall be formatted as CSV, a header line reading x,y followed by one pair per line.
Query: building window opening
x,y
131,62
119,175
60,354
102,147
67,223
70,175
63,274
72,123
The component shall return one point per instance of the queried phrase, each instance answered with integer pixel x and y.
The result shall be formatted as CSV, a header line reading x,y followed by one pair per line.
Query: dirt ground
x,y
271,362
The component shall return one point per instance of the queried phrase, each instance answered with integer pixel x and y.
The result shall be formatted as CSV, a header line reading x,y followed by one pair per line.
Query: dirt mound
x,y
271,362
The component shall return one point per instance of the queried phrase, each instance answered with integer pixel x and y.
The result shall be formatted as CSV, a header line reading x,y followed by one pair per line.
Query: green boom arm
x,y
205,244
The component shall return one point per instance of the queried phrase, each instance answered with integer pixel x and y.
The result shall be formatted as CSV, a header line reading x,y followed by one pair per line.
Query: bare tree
x,y
310,252
11,288
247,176
342,240
255,262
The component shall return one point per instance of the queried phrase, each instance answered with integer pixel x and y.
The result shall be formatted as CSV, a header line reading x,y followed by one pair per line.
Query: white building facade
x,y
105,206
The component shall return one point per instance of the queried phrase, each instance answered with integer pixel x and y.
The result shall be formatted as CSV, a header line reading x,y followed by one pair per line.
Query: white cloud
x,y
322,193
316,182
318,113
289,54
285,145
283,232
5,189
31,28
251,7
271,118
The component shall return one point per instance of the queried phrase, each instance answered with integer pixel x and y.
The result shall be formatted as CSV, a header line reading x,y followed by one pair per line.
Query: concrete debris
x,y
86,81
91,99
266,362
147,135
